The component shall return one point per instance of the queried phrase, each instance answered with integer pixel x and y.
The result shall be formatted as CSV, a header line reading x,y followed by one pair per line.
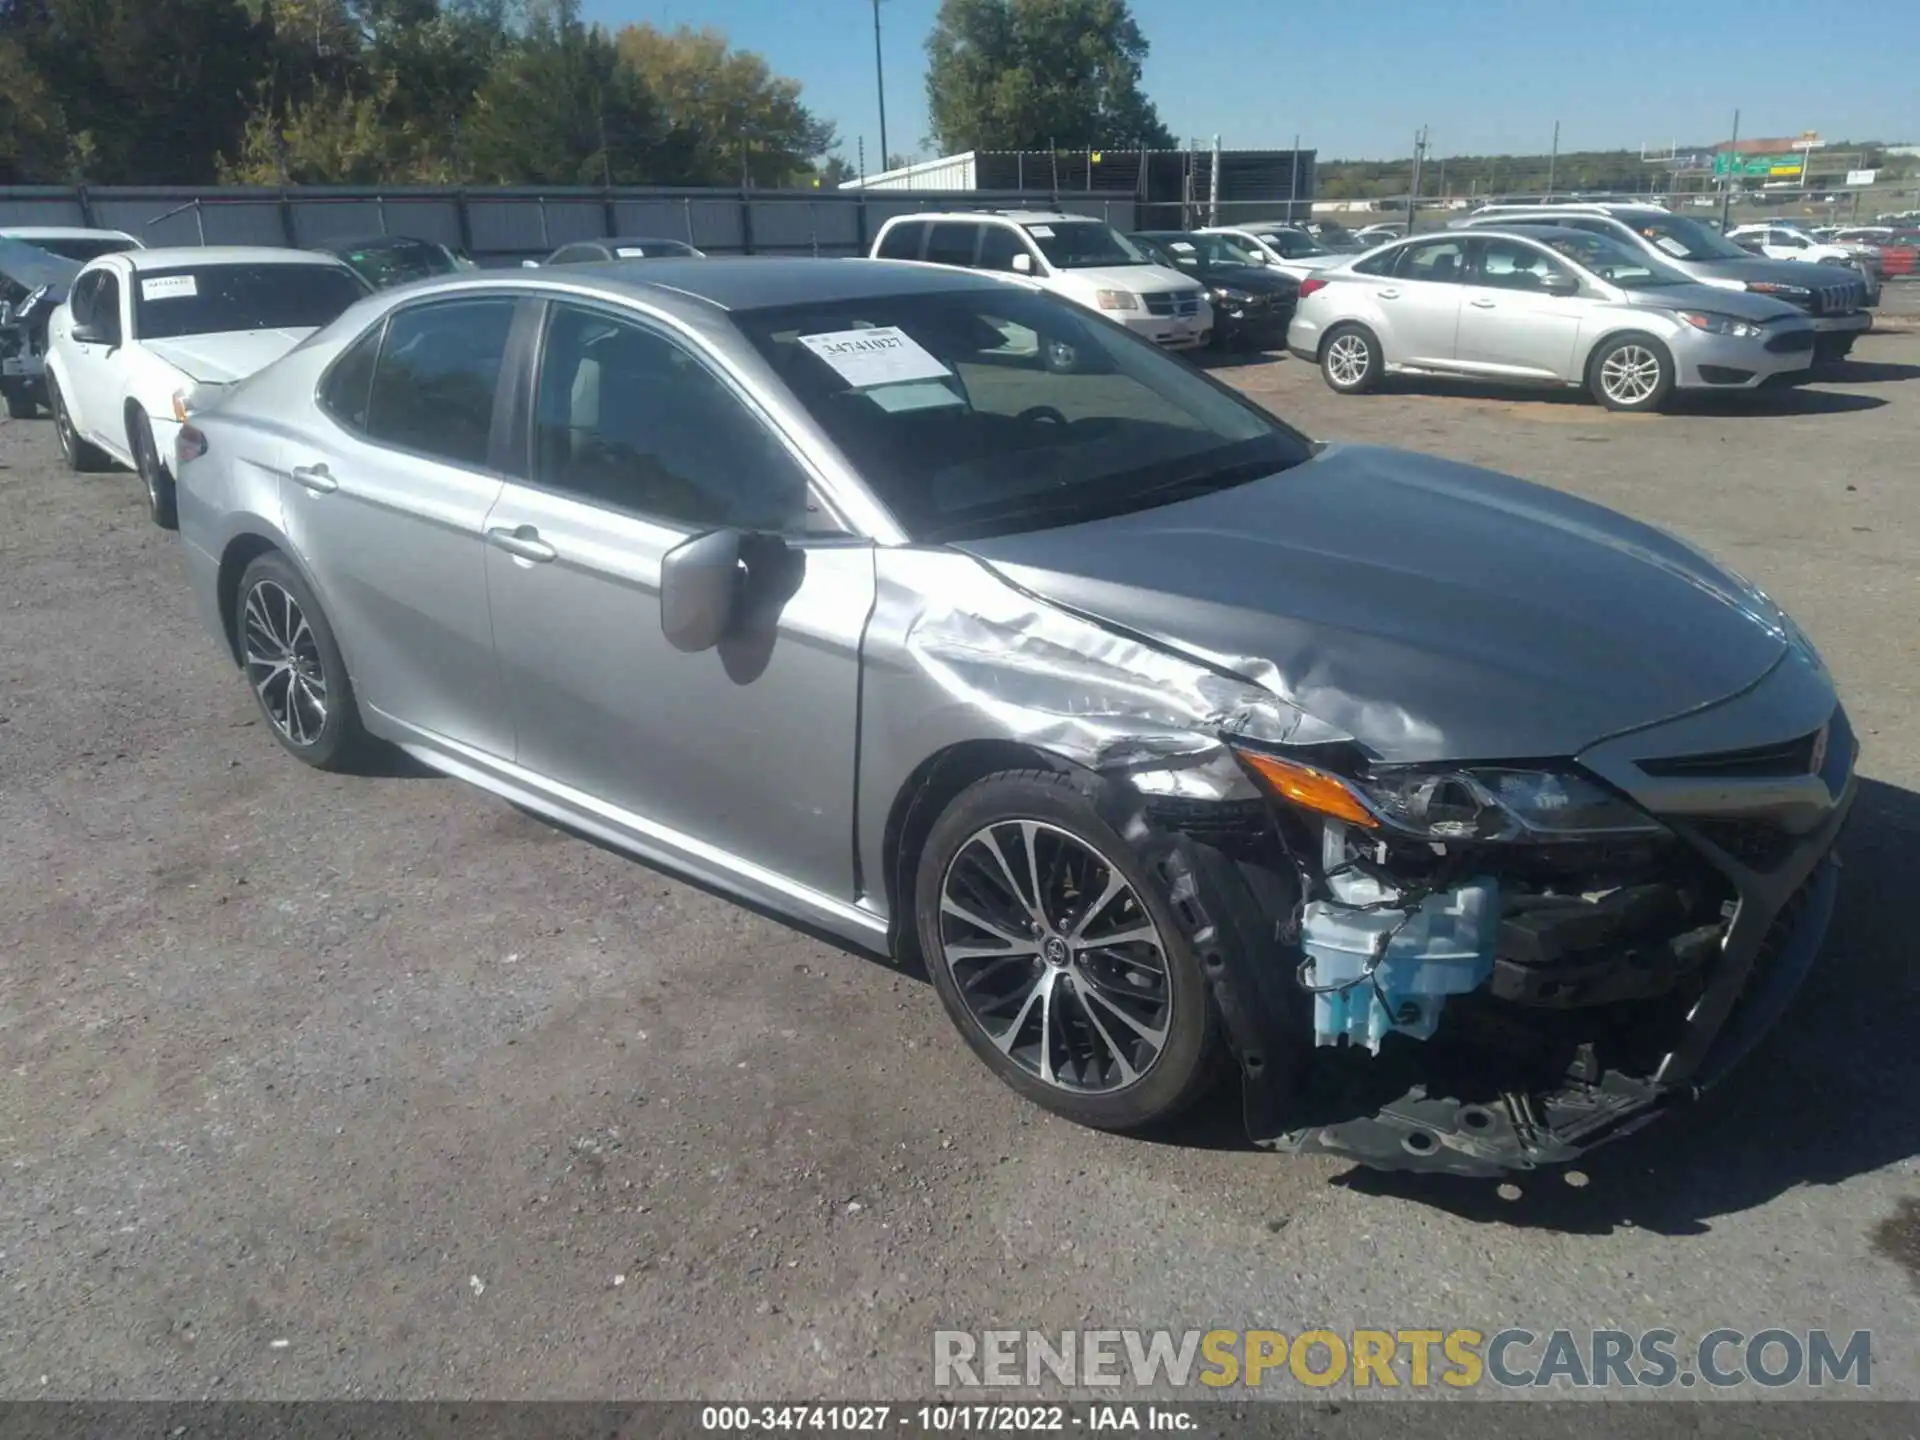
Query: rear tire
x,y
161,500
1119,1035
81,457
1350,359
1632,373
294,667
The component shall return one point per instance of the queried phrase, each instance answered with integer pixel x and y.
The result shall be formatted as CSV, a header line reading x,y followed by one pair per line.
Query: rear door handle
x,y
523,541
316,478
1481,304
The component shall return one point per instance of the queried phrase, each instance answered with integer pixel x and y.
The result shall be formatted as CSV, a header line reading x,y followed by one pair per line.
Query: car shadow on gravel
x,y
1828,1096
1870,372
1757,404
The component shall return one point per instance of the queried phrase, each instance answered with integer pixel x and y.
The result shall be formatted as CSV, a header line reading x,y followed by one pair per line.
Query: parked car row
x,y
917,603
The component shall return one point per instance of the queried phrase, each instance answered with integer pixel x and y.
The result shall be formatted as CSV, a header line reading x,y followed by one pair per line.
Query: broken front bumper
x,y
1429,1106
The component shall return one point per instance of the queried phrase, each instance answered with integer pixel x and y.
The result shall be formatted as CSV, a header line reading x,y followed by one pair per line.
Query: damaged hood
x,y
1431,610
231,355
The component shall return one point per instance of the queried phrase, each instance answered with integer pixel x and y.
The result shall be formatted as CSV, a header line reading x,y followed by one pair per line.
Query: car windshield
x,y
211,299
993,411
1687,239
1079,244
387,263
85,248
1199,253
1612,261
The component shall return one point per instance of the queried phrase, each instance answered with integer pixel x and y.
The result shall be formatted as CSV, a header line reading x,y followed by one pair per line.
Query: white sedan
x,y
147,334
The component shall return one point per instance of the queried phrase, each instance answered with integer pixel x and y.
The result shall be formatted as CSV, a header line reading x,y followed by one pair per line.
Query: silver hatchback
x,y
958,622
1542,306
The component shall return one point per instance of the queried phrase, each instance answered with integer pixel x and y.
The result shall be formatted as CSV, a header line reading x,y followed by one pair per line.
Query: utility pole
x,y
1553,159
1733,168
1293,183
880,85
1413,188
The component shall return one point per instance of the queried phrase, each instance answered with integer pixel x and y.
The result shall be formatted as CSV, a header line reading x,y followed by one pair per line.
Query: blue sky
x,y
1355,80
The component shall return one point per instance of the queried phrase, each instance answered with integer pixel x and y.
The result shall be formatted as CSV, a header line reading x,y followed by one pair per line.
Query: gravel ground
x,y
321,1086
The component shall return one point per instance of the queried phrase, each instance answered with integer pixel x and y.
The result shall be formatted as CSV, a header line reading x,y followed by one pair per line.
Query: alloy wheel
x,y
283,663
1348,359
1055,957
62,424
1630,374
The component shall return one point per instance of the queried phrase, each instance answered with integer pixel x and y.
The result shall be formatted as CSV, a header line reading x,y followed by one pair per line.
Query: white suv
x,y
1076,257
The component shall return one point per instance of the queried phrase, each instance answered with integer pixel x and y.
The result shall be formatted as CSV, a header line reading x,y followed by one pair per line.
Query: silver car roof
x,y
739,282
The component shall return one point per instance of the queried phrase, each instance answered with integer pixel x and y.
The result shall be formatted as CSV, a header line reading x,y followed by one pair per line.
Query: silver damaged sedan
x,y
1470,823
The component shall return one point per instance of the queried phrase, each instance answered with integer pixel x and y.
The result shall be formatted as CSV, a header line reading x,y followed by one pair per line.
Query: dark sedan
x,y
1252,302
384,261
598,252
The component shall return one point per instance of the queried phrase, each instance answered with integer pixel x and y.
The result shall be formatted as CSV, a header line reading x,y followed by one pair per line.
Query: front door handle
x,y
316,478
523,541
1481,304
1388,294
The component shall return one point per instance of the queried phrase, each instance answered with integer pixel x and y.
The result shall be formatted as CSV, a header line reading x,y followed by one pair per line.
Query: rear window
x,y
212,299
395,264
902,242
83,250
952,243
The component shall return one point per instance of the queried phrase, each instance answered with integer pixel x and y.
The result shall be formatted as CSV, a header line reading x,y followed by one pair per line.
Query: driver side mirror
x,y
90,334
1023,263
699,583
1558,283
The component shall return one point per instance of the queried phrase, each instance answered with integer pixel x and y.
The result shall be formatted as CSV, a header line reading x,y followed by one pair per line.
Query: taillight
x,y
1310,285
190,445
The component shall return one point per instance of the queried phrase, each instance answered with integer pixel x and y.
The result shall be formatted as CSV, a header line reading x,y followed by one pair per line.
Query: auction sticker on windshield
x,y
169,287
883,355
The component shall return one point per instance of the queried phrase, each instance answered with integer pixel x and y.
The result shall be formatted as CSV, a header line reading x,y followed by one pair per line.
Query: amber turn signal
x,y
1310,789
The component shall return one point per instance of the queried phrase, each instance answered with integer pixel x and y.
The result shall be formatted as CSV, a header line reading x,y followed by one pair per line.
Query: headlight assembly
x,y
1721,324
1116,300
1488,803
1783,292
1229,296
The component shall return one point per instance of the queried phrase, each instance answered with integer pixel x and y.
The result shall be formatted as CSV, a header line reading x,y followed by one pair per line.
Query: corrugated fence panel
x,y
27,207
512,223
665,218
571,220
717,224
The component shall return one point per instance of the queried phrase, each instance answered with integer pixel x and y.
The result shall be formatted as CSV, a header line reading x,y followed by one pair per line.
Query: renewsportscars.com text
x,y
1459,1359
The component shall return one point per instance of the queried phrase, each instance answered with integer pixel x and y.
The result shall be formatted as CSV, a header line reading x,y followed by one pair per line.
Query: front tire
x,y
1350,359
162,504
1633,373
1057,957
81,457
294,665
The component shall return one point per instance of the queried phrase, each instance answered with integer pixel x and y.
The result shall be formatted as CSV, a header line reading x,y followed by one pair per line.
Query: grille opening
x,y
1787,757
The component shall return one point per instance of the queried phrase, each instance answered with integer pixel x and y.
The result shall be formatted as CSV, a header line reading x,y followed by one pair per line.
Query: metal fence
x,y
502,226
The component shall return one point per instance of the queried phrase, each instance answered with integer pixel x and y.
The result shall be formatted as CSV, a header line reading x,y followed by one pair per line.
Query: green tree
x,y
559,107
1026,74
157,88
733,120
368,92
